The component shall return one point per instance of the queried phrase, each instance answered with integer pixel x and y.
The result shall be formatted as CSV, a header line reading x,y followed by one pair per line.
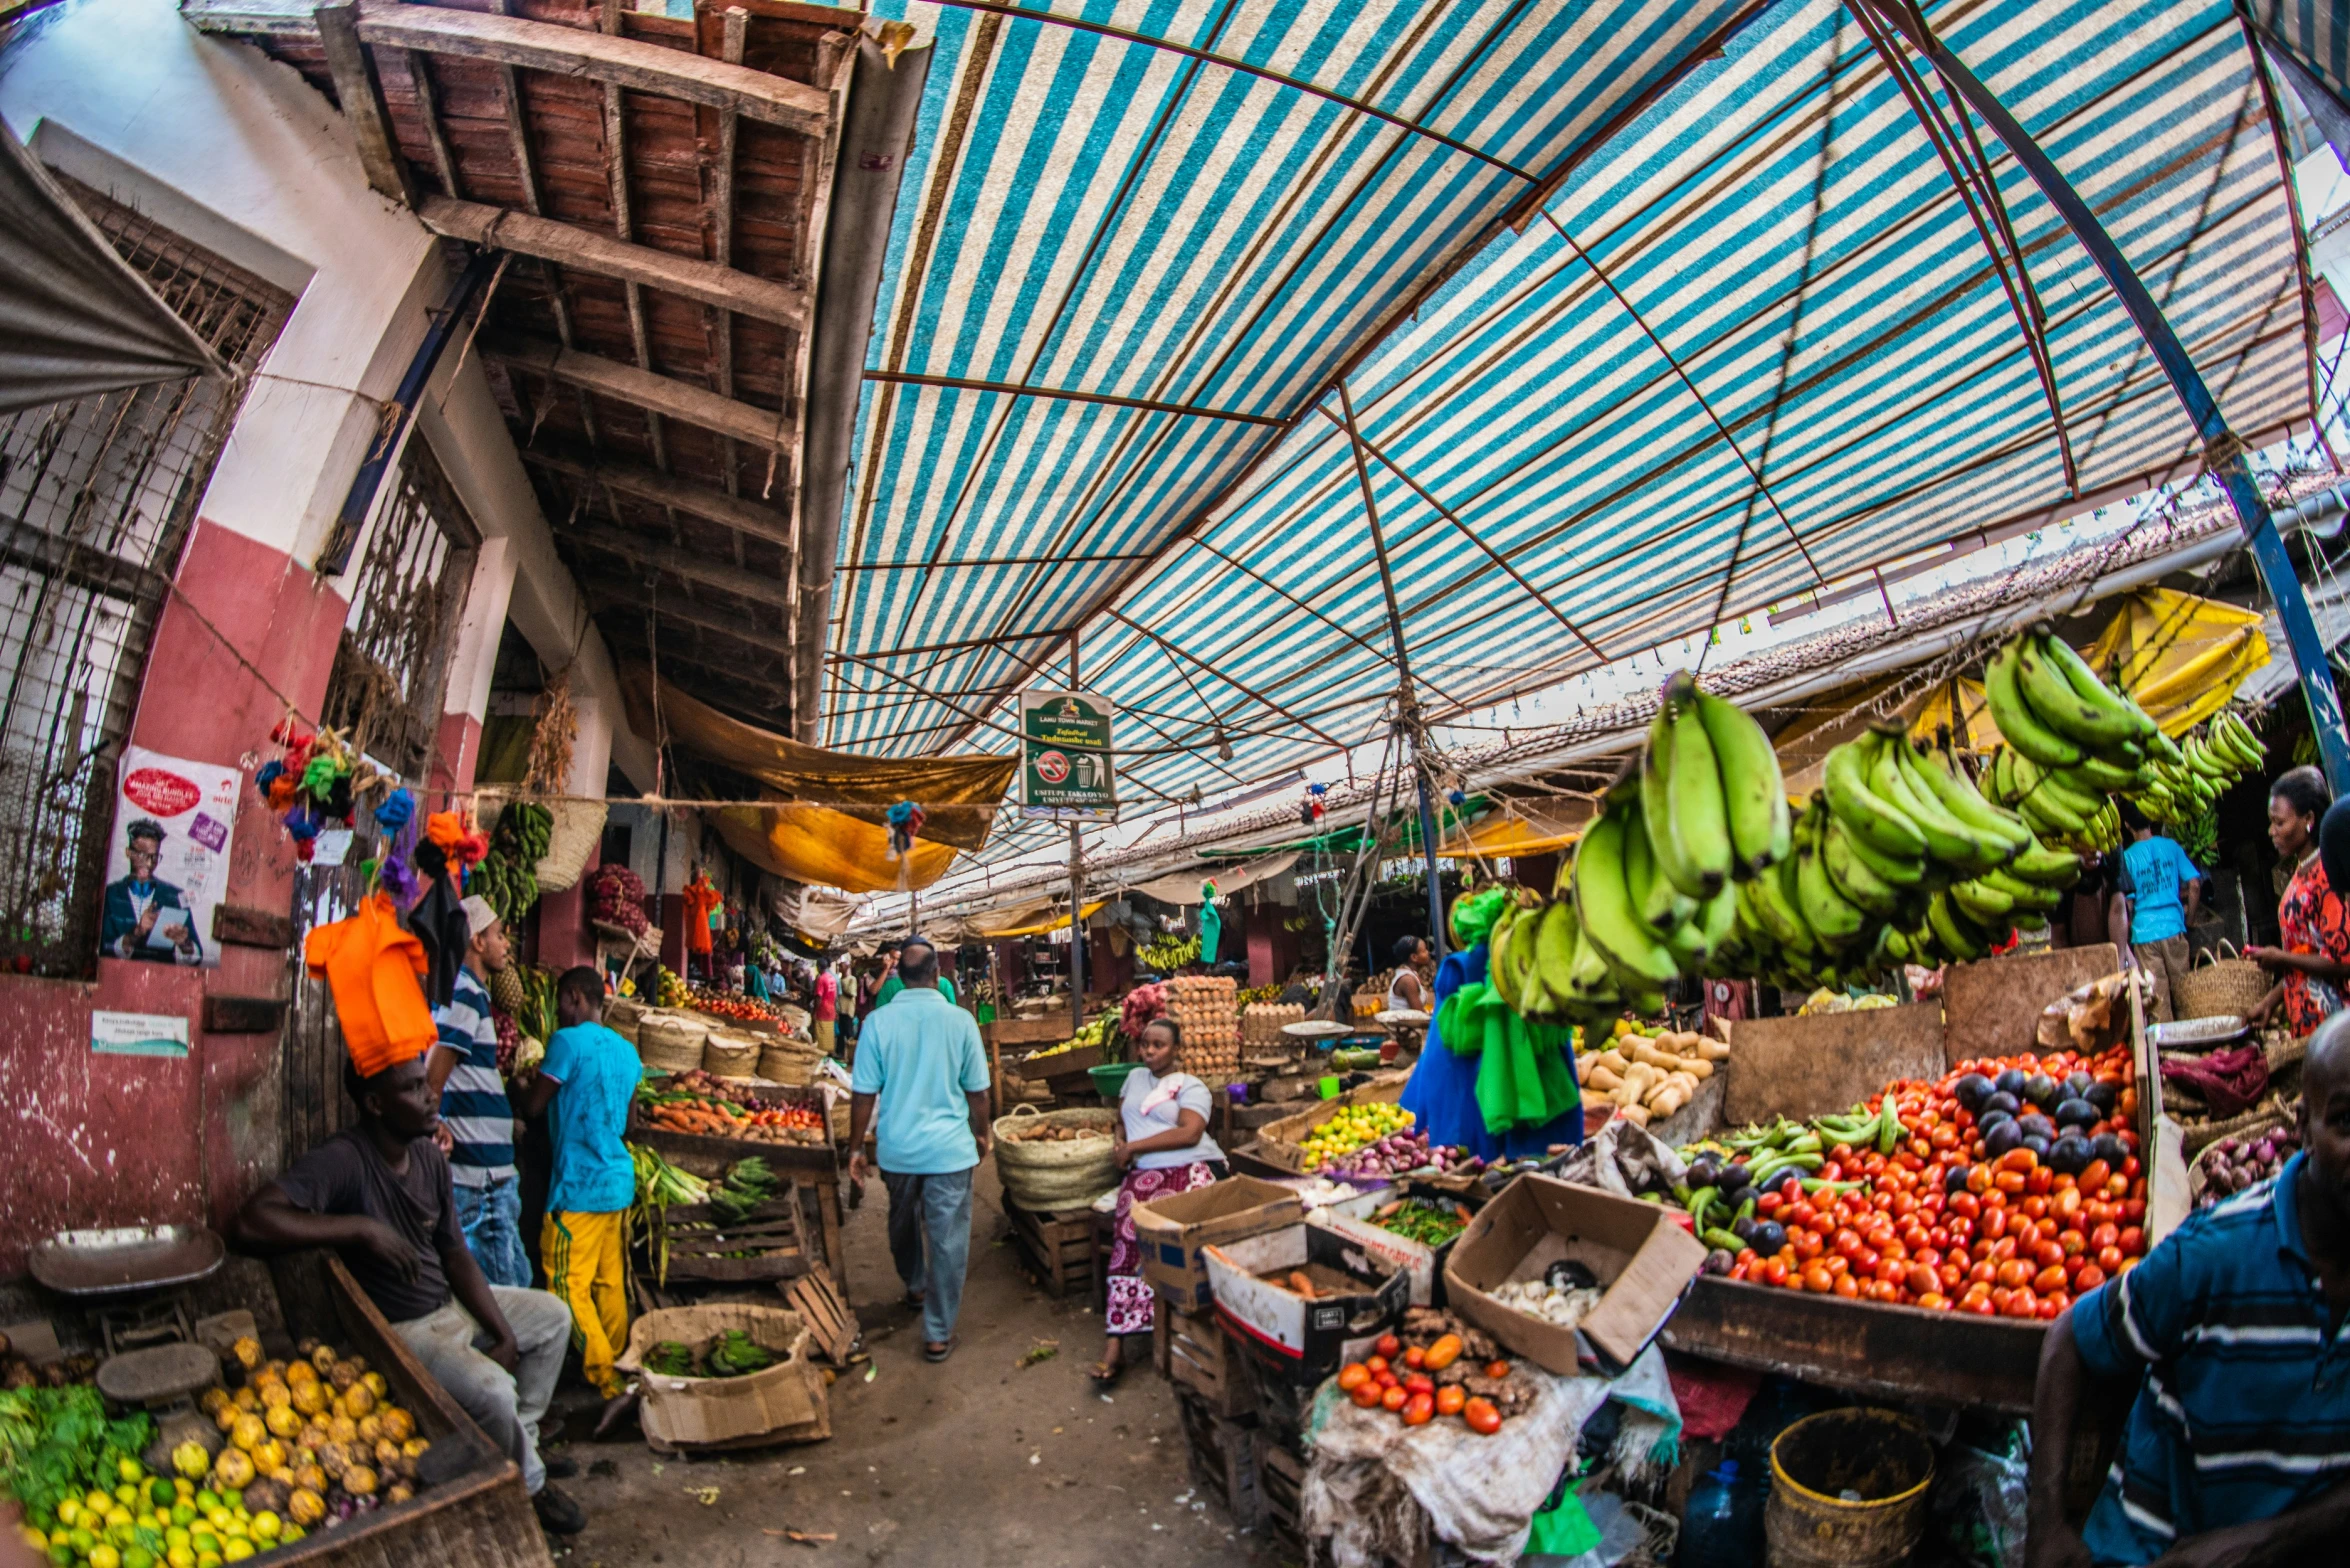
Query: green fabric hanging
x,y
1523,1079
1474,914
1211,924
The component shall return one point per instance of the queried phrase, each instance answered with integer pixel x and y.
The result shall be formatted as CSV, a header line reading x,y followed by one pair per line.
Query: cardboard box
x,y
1173,1230
1358,1296
1640,1256
785,1403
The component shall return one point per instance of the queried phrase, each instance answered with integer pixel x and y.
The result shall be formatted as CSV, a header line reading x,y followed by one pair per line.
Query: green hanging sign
x,y
1065,757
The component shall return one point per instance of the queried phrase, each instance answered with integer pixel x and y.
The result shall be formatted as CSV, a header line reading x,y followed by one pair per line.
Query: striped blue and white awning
x,y
1746,338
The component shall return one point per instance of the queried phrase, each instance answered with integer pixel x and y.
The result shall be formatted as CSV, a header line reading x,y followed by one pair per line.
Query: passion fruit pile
x,y
313,1441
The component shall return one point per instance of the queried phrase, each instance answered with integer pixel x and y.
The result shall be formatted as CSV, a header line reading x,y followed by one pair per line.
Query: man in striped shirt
x,y
474,1111
2237,1448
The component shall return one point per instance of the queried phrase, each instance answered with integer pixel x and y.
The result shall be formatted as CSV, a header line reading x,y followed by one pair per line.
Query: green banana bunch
x,y
1712,798
2052,709
2181,793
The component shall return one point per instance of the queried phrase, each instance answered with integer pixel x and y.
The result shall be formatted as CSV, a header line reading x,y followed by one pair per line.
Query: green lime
x,y
162,1493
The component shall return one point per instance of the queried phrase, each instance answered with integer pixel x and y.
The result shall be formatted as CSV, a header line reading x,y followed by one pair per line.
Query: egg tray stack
x,y
1260,1023
1207,1007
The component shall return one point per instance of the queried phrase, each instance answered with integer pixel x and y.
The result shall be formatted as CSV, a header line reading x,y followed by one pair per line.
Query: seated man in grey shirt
x,y
379,1194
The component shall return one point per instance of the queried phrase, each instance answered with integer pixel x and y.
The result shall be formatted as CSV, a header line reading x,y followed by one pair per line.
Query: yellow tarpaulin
x,y
958,795
1032,927
1519,828
826,848
2179,657
1957,703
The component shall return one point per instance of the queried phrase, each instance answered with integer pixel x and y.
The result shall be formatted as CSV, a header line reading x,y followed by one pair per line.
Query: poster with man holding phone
x,y
168,865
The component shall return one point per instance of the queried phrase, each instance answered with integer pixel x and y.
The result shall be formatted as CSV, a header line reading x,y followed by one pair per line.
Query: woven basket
x,y
730,1053
1048,1176
2253,1121
2220,987
577,829
670,1041
2193,1139
622,1017
788,1063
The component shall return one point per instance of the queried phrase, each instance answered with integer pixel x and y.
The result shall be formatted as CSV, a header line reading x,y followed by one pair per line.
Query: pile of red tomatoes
x,y
1946,1224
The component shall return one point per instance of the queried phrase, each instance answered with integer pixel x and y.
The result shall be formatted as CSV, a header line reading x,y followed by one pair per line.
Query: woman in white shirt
x,y
1163,1147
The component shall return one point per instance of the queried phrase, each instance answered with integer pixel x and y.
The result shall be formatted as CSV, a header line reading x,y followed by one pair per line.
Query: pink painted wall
x,y
121,1139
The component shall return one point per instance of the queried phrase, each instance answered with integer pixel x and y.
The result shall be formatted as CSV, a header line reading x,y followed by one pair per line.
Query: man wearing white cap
x,y
476,1116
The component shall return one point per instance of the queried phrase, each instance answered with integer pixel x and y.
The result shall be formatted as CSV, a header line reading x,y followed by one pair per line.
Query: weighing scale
x,y
133,1281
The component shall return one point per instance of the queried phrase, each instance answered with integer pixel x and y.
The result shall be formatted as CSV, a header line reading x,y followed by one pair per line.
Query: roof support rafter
x,y
361,94
1178,655
539,46
1466,532
664,490
661,395
605,256
1228,63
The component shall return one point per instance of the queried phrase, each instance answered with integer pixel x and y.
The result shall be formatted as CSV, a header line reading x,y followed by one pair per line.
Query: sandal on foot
x,y
1106,1374
938,1352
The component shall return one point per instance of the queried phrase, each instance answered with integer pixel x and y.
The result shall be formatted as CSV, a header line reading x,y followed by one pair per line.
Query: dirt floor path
x,y
978,1463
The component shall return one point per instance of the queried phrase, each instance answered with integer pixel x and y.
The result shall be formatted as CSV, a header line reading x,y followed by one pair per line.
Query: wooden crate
x,y
1223,1455
477,1519
1192,1351
701,1241
1277,1142
1057,1246
1281,1481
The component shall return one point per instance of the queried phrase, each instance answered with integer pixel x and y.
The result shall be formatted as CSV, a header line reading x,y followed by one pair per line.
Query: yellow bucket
x,y
1882,1459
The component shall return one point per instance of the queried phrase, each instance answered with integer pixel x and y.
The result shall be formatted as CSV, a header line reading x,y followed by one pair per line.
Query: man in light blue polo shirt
x,y
2165,889
920,1064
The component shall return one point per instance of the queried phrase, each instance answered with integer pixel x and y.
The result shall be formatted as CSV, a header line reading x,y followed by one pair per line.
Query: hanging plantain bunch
x,y
508,874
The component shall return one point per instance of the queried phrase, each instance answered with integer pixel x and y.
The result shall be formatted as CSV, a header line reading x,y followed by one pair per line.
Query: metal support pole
x,y
360,498
1076,897
2223,451
1407,715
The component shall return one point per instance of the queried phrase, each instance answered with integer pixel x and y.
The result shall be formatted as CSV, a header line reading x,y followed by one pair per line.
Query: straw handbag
x,y
1042,1174
670,1041
730,1053
2217,987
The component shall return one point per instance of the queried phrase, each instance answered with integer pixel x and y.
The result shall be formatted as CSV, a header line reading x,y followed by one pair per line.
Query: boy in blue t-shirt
x,y
585,1085
2165,890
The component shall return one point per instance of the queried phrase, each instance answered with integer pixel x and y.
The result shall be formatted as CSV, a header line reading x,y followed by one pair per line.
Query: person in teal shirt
x,y
584,1085
920,1083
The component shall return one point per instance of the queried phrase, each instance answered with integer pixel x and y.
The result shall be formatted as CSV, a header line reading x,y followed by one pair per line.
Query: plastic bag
x,y
1978,1504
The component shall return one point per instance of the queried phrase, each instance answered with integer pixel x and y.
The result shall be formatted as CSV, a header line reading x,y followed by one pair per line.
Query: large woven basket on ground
x,y
2219,987
621,1016
1045,1175
2251,1124
731,1053
670,1040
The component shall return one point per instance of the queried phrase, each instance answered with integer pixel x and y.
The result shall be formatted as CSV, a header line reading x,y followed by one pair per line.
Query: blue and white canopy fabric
x,y
1744,335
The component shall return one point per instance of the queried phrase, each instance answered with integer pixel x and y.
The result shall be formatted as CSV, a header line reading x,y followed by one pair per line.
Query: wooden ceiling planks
x,y
700,162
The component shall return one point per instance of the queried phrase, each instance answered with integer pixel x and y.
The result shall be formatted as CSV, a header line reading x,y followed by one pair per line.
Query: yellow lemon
x,y
180,1557
236,1551
208,1560
104,1556
266,1526
69,1511
204,1541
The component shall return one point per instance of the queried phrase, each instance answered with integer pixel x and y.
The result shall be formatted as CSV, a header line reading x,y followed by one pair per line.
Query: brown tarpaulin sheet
x,y
824,818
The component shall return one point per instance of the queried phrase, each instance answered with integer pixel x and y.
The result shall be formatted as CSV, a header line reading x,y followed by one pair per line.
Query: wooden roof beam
x,y
670,398
647,484
361,94
589,251
620,593
541,46
655,556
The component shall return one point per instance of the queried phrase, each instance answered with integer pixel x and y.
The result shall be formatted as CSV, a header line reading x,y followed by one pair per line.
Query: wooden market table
x,y
811,1168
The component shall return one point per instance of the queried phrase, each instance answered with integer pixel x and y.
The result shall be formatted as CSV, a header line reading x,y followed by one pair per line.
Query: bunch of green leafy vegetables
x,y
57,1443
